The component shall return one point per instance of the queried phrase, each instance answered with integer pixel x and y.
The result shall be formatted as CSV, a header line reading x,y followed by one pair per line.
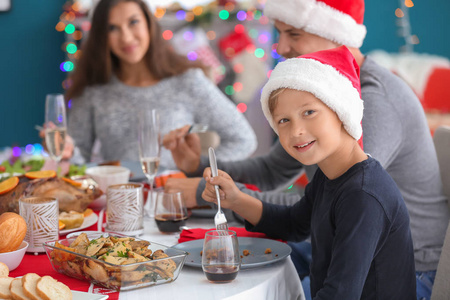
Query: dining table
x,y
278,280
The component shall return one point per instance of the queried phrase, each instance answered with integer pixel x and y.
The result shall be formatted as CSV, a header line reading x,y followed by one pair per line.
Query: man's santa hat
x,y
332,76
340,21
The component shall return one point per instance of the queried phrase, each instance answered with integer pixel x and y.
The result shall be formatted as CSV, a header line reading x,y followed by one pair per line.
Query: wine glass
x,y
220,257
149,151
170,212
55,126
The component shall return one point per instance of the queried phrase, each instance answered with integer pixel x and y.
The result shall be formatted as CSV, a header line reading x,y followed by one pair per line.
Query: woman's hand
x,y
68,144
185,148
229,192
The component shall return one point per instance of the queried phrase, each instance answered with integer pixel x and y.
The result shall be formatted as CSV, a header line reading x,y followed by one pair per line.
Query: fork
x,y
219,220
197,128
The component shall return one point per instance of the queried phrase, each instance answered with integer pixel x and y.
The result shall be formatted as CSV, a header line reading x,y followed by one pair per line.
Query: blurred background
x,y
40,43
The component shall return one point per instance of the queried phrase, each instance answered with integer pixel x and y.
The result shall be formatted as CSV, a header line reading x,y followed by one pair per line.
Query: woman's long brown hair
x,y
97,63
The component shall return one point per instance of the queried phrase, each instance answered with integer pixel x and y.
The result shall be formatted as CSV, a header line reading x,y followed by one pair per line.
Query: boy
x,y
354,212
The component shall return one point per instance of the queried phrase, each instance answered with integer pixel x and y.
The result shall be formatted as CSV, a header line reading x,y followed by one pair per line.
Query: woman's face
x,y
128,34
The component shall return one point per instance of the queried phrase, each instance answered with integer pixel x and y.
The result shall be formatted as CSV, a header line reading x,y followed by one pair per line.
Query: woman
x,y
125,67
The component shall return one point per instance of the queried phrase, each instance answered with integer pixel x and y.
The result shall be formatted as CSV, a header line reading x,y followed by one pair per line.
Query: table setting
x,y
132,239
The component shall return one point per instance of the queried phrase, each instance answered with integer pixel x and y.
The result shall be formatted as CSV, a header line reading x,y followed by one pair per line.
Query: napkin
x,y
199,233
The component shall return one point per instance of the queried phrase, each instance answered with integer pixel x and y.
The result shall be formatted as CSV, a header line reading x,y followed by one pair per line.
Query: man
x,y
395,130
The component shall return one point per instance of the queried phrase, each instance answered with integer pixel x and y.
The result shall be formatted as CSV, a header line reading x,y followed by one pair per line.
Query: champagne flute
x,y
149,151
55,131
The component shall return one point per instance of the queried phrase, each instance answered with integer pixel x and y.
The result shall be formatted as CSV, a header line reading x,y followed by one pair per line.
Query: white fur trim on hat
x,y
318,18
325,83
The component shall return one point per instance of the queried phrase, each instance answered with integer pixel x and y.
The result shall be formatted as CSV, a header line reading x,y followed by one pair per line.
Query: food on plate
x,y
4,270
5,282
71,219
29,282
69,197
268,251
245,252
8,184
49,288
61,225
87,212
114,262
72,182
40,174
12,231
16,289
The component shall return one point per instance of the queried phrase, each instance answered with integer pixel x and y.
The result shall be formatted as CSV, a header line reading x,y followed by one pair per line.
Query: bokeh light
x,y
60,26
188,36
409,3
167,35
238,86
229,90
241,15
211,35
29,149
239,28
224,14
71,48
192,55
69,29
181,14
16,151
399,13
259,53
242,107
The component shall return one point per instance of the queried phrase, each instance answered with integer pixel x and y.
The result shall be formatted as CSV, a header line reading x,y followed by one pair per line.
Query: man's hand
x,y
187,185
185,148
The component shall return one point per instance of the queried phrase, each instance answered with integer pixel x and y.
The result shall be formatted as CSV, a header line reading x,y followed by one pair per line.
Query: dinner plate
x,y
256,247
88,221
77,295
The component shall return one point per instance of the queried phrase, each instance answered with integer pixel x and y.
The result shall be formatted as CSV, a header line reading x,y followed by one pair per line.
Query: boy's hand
x,y
229,192
186,149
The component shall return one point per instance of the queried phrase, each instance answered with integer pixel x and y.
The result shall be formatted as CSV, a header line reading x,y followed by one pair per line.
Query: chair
x,y
441,288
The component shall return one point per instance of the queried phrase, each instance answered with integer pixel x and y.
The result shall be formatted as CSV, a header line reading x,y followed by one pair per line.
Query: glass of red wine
x,y
170,211
220,256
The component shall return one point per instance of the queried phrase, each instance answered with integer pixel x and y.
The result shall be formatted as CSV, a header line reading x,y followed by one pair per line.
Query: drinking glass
x,y
55,122
220,257
41,215
149,151
125,209
170,212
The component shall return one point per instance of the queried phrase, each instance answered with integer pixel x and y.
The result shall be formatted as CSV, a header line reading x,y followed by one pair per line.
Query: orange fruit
x,y
87,212
8,184
40,174
61,225
72,182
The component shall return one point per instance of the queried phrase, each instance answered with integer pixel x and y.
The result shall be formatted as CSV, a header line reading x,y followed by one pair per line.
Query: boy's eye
x,y
281,121
309,112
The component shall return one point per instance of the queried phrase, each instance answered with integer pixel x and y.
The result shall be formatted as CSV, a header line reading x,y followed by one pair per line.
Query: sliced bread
x,y
5,282
4,270
29,282
17,290
51,289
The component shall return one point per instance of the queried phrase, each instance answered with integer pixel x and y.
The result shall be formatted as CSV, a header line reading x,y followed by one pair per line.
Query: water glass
x,y
170,211
125,209
42,217
220,257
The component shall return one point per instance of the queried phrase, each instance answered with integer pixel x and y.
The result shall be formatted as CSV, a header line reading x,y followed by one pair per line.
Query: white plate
x,y
87,296
88,221
256,246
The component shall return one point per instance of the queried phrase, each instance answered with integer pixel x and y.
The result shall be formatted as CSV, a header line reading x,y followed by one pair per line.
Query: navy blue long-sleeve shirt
x,y
360,236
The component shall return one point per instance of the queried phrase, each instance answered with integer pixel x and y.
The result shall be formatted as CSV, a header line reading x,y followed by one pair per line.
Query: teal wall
x,y
30,54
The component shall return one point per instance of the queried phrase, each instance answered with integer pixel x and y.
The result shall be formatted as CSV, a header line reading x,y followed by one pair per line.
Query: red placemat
x,y
199,233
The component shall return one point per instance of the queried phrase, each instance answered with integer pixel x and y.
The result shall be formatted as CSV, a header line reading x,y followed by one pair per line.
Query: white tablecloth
x,y
274,281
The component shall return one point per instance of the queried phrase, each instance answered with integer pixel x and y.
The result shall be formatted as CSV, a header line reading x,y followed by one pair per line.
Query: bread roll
x,y
12,231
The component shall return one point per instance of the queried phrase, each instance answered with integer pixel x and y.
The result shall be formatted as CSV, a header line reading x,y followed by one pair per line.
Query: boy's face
x,y
308,129
294,42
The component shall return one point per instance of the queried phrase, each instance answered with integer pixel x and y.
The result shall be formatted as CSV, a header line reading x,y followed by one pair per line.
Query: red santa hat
x,y
340,21
330,75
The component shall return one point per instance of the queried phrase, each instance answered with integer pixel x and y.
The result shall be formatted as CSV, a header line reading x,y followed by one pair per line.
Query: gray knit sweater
x,y
395,132
109,113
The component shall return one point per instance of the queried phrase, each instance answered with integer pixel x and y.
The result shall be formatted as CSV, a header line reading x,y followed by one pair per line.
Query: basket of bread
x,y
115,261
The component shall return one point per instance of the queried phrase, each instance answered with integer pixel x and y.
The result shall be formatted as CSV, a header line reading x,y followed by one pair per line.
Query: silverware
x,y
219,220
197,128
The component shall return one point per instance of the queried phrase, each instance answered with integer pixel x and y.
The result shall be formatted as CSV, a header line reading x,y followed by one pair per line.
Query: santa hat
x,y
330,75
340,21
